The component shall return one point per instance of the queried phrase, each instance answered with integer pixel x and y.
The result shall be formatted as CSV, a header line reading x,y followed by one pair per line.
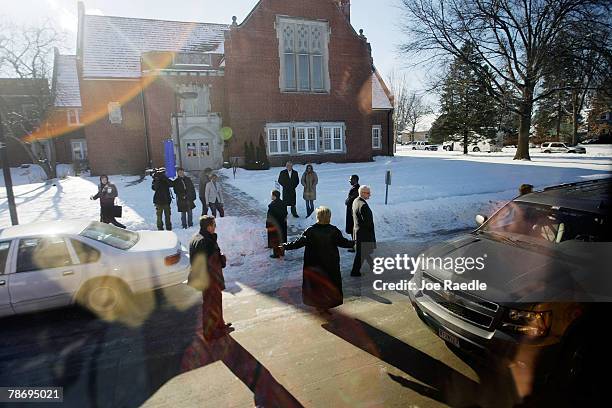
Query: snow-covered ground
x,y
432,193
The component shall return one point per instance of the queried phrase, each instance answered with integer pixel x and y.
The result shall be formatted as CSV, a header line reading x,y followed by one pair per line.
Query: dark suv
x,y
547,258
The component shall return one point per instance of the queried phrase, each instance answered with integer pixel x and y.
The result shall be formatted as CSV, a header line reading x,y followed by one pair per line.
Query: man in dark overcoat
x,y
289,180
352,195
185,197
363,231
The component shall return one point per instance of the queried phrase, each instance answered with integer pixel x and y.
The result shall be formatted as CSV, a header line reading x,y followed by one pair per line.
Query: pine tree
x,y
265,164
469,111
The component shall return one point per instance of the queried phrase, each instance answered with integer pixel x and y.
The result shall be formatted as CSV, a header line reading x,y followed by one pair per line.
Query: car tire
x,y
414,148
476,149
108,298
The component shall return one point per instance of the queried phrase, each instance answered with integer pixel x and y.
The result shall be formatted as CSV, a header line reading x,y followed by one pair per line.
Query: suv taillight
x,y
172,259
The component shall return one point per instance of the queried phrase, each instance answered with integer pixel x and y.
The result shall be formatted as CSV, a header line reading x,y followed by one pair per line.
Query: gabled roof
x,y
381,96
67,90
112,46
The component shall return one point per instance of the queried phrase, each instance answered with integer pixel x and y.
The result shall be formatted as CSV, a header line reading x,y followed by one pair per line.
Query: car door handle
x,y
2,282
68,273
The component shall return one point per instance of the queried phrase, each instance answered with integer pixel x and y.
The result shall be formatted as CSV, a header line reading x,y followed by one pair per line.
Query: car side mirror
x,y
480,219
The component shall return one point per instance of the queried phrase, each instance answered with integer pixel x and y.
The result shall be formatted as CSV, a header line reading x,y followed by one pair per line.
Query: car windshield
x,y
110,235
542,224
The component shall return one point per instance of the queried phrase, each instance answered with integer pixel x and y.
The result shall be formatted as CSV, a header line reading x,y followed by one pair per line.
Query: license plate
x,y
446,336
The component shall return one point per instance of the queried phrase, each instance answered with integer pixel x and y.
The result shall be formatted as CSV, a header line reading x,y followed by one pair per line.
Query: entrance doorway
x,y
198,154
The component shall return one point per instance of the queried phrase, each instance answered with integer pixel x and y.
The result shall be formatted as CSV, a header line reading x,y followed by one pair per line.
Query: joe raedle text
x,y
447,284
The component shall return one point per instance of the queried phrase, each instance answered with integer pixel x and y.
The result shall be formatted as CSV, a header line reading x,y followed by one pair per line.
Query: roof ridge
x,y
158,19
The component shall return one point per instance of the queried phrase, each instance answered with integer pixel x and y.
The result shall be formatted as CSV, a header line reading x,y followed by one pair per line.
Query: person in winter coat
x,y
185,196
352,195
207,263
162,199
289,180
214,196
322,282
363,231
107,192
309,181
276,224
204,179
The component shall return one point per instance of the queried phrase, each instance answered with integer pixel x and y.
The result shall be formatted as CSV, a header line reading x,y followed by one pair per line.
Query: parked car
x,y
431,147
558,147
547,254
417,145
54,264
480,146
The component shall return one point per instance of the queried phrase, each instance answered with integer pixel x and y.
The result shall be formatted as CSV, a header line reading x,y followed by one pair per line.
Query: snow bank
x,y
427,193
26,174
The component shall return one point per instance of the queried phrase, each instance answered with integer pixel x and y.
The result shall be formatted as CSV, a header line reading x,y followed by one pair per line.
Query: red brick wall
x,y
252,79
114,148
385,120
160,104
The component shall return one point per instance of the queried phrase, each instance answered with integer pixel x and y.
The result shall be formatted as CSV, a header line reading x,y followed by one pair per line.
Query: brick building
x,y
294,74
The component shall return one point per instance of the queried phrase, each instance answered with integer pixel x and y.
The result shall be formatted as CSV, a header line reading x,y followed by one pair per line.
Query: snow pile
x,y
26,174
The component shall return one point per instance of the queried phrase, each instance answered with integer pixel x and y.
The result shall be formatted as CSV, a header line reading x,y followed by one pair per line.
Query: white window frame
x,y
278,129
115,116
309,131
82,144
281,23
377,140
336,146
73,113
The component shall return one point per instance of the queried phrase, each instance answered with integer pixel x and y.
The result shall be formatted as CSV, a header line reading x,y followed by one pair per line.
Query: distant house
x,y
407,137
66,117
294,74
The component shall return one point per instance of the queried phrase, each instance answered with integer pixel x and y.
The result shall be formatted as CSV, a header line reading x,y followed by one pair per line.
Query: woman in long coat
x,y
276,223
309,181
322,282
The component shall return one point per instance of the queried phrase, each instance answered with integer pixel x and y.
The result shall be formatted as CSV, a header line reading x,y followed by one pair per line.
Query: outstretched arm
x,y
297,244
343,242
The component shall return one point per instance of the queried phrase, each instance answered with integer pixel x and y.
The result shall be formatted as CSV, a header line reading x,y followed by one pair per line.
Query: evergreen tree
x,y
469,111
265,164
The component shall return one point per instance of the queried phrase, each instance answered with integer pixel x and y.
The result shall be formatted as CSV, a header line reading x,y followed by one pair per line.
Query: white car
x,y
558,147
480,146
55,264
417,145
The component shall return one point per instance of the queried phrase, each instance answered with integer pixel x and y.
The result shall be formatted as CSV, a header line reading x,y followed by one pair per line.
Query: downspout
x,y
390,139
146,129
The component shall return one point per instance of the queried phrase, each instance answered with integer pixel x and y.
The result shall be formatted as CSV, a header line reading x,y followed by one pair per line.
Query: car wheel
x,y
108,298
414,148
476,149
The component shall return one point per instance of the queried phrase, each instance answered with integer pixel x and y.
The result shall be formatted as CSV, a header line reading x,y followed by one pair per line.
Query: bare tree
x,y
399,87
515,41
26,53
416,110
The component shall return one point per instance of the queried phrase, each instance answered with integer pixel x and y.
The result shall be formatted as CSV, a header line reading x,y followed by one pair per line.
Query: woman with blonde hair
x,y
322,282
309,181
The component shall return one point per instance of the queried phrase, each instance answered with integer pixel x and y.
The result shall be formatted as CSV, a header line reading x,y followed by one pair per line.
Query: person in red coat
x,y
207,263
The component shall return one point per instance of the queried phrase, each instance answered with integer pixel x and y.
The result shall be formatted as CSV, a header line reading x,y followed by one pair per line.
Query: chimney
x,y
345,8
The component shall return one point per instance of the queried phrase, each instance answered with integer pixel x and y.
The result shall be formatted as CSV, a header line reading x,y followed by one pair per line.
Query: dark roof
x,y
592,196
22,86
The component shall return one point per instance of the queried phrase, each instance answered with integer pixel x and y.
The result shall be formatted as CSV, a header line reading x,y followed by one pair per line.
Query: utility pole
x,y
8,181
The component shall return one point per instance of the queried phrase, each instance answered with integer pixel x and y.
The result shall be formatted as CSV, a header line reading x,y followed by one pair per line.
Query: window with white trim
x,y
333,136
303,51
72,117
278,140
79,149
376,137
306,139
114,113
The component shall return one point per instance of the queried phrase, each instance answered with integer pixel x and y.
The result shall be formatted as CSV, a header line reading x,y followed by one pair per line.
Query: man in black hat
x,y
352,195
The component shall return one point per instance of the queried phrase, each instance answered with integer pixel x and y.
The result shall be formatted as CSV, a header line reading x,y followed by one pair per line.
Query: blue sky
x,y
380,20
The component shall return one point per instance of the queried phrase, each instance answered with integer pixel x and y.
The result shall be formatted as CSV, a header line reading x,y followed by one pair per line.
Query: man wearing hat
x,y
352,195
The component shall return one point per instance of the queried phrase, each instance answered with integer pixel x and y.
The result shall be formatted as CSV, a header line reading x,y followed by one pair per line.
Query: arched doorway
x,y
201,149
